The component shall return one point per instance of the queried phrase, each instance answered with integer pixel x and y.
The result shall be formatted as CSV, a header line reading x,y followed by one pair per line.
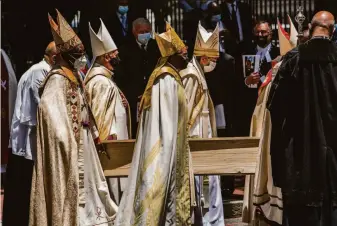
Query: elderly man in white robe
x,y
107,102
202,121
23,140
159,186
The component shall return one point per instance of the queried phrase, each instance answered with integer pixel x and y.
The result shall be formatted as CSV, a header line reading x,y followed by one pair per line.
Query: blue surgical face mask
x,y
216,18
123,9
144,38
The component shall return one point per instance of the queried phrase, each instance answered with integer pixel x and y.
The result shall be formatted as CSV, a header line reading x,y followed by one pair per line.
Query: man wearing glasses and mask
x,y
248,96
68,185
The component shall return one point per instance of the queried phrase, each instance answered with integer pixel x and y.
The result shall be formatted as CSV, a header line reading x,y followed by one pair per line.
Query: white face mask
x,y
210,67
80,63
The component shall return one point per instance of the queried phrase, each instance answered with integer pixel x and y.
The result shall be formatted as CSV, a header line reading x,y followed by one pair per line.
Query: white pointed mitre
x,y
207,43
101,43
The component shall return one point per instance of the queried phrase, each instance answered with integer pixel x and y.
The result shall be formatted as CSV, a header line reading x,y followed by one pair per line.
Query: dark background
x,y
25,30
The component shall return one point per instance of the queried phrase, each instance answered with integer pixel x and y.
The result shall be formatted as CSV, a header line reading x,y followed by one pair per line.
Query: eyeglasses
x,y
262,33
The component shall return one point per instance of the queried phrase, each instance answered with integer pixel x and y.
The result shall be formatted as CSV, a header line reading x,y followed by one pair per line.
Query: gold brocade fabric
x,y
158,71
56,178
102,96
169,43
183,185
183,200
158,190
68,184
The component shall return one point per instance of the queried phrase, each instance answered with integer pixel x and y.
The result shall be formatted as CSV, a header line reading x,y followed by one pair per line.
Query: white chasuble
x,y
111,117
106,103
202,124
158,190
266,197
68,185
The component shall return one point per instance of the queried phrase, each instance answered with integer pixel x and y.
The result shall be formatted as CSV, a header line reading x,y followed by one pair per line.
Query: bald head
x,y
322,24
50,53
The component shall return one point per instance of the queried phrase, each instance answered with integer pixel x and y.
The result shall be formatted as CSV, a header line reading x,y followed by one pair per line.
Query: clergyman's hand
x,y
253,78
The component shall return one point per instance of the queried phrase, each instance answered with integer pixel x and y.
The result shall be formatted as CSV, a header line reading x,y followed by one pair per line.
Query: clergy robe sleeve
x,y
102,99
32,97
36,80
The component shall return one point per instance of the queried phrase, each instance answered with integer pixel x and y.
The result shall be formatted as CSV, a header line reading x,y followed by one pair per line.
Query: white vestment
x,y
23,131
202,125
111,117
158,191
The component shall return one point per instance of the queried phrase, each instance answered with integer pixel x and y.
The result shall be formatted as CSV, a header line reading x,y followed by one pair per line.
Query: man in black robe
x,y
303,107
246,97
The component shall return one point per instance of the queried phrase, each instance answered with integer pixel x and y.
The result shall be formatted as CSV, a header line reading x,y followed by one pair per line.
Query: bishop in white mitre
x,y
267,198
68,185
201,124
159,190
107,102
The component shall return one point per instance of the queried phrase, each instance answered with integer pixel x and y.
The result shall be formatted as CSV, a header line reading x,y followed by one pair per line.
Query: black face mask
x,y
261,40
115,61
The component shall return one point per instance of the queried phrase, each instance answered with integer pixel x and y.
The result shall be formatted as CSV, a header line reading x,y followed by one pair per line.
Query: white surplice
x,y
23,131
202,125
158,191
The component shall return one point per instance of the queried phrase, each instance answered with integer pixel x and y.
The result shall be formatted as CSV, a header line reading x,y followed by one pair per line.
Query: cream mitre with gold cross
x,y
101,43
207,43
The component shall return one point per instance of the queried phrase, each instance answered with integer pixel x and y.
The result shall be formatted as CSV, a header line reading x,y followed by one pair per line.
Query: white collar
x,y
262,49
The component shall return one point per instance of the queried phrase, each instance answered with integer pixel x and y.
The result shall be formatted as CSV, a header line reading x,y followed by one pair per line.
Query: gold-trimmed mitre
x,y
207,43
64,36
169,42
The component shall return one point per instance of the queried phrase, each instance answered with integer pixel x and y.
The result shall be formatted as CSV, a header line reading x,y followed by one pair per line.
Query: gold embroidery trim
x,y
183,188
97,70
160,70
196,111
153,201
147,162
